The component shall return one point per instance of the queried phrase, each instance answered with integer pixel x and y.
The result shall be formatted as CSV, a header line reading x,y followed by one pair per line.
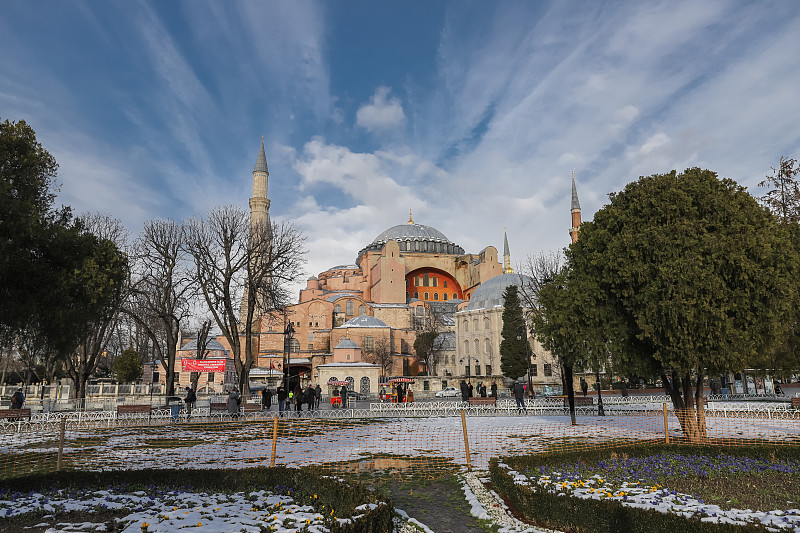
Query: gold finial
x,y
410,220
262,138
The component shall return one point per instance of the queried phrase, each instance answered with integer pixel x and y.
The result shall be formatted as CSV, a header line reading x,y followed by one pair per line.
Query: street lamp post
x,y
288,333
600,410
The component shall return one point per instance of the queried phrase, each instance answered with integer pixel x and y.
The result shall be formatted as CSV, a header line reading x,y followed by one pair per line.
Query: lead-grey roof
x,y
446,341
490,292
575,203
340,295
261,161
364,321
347,344
344,267
412,232
212,344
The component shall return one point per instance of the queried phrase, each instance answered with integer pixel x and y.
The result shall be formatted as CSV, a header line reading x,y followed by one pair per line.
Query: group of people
x,y
467,390
310,396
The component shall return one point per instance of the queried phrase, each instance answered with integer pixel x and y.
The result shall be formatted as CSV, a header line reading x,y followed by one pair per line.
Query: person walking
x,y
317,396
482,390
281,398
343,394
266,399
469,389
233,403
584,386
494,389
297,397
624,389
190,400
464,392
519,395
310,397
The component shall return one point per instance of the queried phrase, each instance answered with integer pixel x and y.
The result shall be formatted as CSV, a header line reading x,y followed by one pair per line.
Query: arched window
x,y
487,344
466,347
295,344
416,294
349,307
369,343
466,325
475,324
486,322
362,310
444,296
426,295
435,295
455,295
337,308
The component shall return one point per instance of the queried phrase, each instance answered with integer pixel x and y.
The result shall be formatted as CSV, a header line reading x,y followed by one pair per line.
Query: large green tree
x,y
27,183
513,350
687,274
128,365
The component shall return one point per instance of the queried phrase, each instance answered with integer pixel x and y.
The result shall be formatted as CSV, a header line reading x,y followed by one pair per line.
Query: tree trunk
x,y
701,409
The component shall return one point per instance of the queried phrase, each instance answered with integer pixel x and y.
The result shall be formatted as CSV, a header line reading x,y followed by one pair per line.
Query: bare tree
x,y
784,197
202,345
381,355
82,362
161,290
243,269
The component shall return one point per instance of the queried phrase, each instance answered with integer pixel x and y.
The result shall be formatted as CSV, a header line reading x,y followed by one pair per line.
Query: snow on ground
x,y
174,511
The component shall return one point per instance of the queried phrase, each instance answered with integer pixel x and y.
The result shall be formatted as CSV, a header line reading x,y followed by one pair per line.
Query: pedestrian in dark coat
x,y
469,390
483,390
17,399
343,394
519,395
310,396
317,396
464,391
191,399
584,386
281,398
297,396
494,389
266,399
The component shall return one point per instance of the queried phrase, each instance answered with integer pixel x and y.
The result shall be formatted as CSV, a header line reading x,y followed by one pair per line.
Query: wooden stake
x,y
466,441
274,440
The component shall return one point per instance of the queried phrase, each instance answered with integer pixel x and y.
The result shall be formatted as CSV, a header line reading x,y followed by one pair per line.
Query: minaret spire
x,y
259,203
506,255
575,210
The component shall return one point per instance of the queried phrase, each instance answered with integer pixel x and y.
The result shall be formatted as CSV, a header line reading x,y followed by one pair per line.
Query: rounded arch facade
x,y
433,284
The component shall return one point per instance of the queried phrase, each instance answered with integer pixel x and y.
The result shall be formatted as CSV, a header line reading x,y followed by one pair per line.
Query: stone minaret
x,y
259,216
506,255
576,212
259,203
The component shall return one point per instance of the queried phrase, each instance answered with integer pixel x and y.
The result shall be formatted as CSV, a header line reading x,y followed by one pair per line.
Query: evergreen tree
x,y
513,352
128,366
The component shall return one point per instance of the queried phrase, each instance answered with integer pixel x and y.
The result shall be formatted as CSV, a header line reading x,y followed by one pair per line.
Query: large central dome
x,y
415,238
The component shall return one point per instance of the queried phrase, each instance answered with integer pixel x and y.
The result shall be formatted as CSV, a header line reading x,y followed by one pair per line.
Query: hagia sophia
x,y
358,322
410,278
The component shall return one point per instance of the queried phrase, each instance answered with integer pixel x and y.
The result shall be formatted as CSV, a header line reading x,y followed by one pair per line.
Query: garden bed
x,y
249,500
651,488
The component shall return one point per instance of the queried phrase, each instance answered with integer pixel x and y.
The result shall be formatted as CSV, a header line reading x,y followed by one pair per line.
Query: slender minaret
x,y
506,255
576,212
259,203
259,221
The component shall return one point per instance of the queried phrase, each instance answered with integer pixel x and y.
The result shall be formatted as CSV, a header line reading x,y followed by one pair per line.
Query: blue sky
x,y
471,114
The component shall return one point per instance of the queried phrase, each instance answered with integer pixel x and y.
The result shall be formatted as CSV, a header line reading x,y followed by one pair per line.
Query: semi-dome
x,y
414,238
211,345
364,321
490,292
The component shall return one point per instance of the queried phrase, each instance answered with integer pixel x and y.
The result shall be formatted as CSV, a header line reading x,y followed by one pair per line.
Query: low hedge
x,y
575,515
303,482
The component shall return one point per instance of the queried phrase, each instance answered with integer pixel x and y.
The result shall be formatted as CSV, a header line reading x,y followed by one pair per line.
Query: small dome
x,y
346,344
313,278
364,321
490,292
212,344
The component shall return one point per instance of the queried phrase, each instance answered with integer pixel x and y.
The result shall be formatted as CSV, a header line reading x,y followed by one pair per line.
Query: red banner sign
x,y
202,365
